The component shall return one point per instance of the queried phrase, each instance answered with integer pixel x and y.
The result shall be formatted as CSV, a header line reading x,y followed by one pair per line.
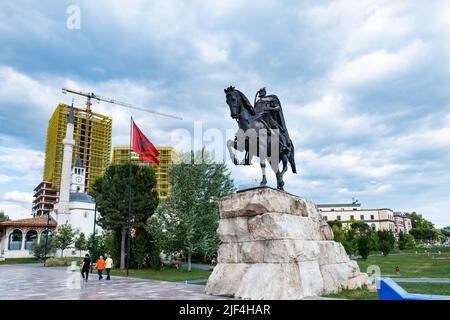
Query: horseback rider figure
x,y
269,107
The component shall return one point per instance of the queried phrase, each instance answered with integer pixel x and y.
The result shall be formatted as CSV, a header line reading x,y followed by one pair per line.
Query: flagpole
x,y
129,199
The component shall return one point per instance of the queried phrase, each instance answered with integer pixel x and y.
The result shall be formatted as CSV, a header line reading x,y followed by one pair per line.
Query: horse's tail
x,y
292,159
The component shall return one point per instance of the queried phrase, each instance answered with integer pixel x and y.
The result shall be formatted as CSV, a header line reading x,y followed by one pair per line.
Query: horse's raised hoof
x,y
263,182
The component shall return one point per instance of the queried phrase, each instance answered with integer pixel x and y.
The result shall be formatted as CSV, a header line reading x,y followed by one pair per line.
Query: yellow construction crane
x,y
91,95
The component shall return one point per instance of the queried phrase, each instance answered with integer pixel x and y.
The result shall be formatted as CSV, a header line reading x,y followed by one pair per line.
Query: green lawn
x,y
20,261
166,274
425,288
358,294
411,265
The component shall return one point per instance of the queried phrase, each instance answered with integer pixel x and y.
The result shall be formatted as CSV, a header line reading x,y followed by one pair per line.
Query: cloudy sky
x,y
365,87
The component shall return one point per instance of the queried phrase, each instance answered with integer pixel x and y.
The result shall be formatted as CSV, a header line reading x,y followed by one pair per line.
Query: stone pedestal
x,y
277,246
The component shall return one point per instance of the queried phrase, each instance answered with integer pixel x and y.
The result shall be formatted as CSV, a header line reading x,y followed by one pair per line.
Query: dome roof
x,y
81,197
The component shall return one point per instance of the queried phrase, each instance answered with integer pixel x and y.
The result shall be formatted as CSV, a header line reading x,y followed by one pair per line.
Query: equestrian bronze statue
x,y
262,133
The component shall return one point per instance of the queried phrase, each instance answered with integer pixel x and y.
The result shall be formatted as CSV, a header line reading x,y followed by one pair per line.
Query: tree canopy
x,y
64,237
112,196
188,219
3,216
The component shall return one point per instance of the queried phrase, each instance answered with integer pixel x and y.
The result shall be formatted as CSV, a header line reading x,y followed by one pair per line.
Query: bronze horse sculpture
x,y
262,133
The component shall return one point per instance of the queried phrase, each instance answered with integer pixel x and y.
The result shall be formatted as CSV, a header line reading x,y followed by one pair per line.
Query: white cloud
x,y
381,66
21,159
26,91
17,196
16,211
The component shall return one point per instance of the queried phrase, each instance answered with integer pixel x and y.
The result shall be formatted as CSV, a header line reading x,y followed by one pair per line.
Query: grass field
x,y
424,288
411,265
167,274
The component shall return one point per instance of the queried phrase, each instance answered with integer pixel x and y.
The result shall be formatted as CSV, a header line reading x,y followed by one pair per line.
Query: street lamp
x,y
46,235
93,234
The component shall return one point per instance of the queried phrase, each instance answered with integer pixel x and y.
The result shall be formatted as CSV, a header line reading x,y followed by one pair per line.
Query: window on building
x,y
339,217
352,217
86,215
372,217
361,217
15,240
373,226
354,209
30,237
325,218
332,209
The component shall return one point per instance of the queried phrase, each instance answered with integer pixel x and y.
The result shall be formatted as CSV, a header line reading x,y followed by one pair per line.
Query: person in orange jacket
x,y
100,267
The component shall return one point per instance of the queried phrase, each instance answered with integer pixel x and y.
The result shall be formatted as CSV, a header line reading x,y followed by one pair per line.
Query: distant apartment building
x,y
44,198
167,156
377,219
402,222
92,135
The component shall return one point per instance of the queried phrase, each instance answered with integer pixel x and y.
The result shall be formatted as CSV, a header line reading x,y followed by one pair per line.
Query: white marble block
x,y
277,246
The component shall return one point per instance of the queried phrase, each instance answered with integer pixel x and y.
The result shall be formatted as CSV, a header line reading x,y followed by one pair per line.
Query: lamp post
x,y
93,233
46,236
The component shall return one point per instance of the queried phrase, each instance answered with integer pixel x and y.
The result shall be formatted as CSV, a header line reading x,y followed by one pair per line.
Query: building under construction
x,y
92,134
167,156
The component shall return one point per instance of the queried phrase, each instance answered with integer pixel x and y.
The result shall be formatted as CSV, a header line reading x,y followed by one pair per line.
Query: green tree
x,y
360,227
112,196
99,245
64,237
189,217
80,242
424,230
386,241
363,243
418,221
145,251
350,241
333,223
405,241
3,216
38,249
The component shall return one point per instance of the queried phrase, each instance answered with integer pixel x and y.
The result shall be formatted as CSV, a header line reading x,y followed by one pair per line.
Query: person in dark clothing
x,y
86,266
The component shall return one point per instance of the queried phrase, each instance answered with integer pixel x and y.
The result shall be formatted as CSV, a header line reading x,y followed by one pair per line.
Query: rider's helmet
x,y
262,92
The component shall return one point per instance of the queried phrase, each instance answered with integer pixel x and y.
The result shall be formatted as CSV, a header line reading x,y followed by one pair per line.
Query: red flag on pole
x,y
142,146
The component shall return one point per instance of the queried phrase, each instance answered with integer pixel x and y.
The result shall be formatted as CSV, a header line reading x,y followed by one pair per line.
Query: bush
x,y
155,261
38,249
363,243
405,241
386,247
62,262
386,241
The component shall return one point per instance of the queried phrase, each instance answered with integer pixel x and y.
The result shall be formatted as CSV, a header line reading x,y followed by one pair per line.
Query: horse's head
x,y
233,100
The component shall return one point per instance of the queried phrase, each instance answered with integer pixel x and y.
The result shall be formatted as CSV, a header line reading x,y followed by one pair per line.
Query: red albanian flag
x,y
142,146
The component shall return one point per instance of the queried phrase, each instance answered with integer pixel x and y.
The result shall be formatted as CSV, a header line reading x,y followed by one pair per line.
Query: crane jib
x,y
91,95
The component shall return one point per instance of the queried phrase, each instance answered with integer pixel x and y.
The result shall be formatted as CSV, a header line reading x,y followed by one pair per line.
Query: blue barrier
x,y
388,289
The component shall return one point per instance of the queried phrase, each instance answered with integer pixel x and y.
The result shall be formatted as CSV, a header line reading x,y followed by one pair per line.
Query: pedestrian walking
x,y
100,267
397,270
85,267
108,267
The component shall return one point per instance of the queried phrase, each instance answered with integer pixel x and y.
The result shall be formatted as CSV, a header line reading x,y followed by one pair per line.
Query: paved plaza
x,y
35,282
